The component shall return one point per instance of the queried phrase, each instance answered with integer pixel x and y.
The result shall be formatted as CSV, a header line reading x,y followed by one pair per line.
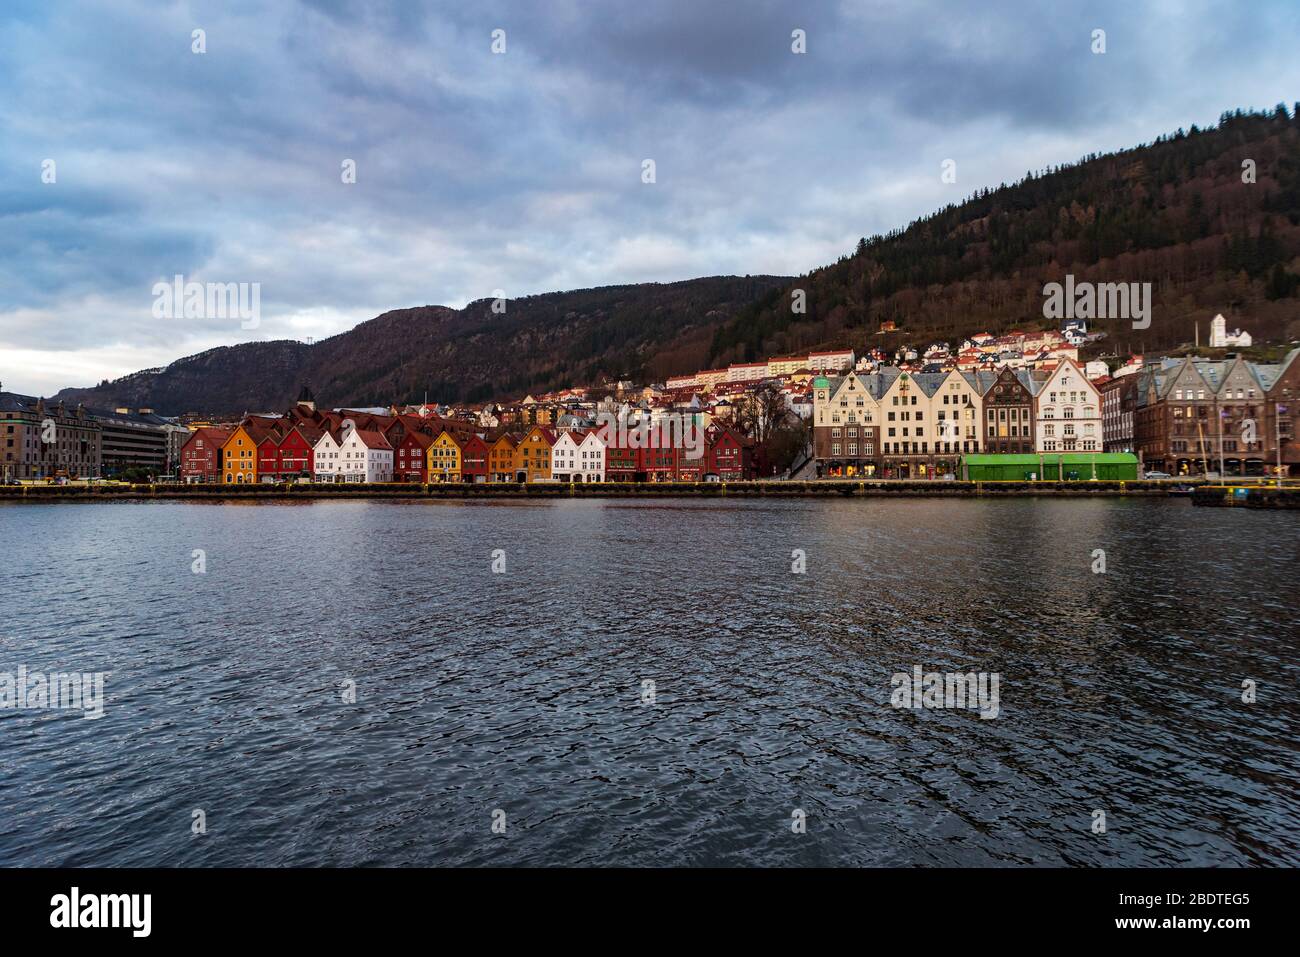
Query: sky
x,y
127,158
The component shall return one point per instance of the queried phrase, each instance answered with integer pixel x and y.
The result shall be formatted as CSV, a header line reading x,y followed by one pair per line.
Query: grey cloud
x,y
522,171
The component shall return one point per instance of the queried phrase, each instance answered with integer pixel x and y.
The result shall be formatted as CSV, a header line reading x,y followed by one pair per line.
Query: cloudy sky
x,y
522,171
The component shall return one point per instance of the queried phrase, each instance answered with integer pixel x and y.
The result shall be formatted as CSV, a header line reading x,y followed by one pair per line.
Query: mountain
x,y
230,379
536,344
1211,218
1176,213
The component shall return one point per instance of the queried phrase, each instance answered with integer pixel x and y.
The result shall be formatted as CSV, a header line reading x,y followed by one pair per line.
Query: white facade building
x,y
1220,338
1067,412
838,361
747,372
365,457
326,458
578,457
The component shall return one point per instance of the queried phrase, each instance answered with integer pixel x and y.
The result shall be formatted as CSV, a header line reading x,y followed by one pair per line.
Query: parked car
x,y
1157,475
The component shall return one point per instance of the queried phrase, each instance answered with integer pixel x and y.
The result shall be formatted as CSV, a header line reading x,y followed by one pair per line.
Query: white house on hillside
x,y
1220,337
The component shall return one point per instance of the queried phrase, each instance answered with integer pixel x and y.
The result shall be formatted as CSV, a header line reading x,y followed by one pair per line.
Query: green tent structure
x,y
1051,467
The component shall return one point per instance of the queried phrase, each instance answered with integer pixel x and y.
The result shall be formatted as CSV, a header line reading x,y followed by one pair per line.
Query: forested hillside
x,y
1175,213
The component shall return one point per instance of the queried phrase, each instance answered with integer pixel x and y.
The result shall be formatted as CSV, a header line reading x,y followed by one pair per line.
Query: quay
x,y
1247,496
819,488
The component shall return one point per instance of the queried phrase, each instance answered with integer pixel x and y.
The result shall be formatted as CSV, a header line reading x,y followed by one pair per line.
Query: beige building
x,y
837,361
710,378
786,365
958,411
39,439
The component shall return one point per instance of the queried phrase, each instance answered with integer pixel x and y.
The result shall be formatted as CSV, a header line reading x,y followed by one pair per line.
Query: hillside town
x,y
1018,405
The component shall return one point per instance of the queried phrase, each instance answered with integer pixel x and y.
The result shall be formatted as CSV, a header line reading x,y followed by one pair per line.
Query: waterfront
x,y
522,690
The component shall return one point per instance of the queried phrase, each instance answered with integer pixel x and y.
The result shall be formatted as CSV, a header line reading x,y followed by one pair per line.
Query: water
x,y
522,691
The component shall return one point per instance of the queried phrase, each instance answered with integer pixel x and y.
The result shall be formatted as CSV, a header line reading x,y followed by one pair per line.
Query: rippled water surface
x,y
522,691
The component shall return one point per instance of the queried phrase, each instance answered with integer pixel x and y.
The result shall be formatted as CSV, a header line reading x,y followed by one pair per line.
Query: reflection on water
x,y
522,691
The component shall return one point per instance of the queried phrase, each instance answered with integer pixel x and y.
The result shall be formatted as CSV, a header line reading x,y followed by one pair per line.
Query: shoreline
x,y
821,488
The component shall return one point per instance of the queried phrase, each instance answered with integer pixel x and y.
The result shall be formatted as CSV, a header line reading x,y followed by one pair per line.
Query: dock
x,y
1247,496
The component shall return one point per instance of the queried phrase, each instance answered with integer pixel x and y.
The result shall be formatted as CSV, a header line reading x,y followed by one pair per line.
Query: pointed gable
x,y
1182,379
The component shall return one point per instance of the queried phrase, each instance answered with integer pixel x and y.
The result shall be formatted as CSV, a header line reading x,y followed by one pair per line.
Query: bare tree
x,y
761,412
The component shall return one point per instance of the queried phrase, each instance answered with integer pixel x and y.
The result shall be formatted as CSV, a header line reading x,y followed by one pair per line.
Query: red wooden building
x,y
411,458
296,453
622,463
474,459
730,455
692,469
268,456
201,454
655,464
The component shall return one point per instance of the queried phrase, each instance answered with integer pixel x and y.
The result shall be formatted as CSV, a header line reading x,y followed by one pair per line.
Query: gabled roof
x,y
842,385
928,382
1180,371
981,381
417,437
211,433
310,433
372,439
1034,383
1268,374
258,430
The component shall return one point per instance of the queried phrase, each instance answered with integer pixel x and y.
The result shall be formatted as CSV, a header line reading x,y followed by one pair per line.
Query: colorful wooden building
x,y
444,458
412,462
501,458
474,453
